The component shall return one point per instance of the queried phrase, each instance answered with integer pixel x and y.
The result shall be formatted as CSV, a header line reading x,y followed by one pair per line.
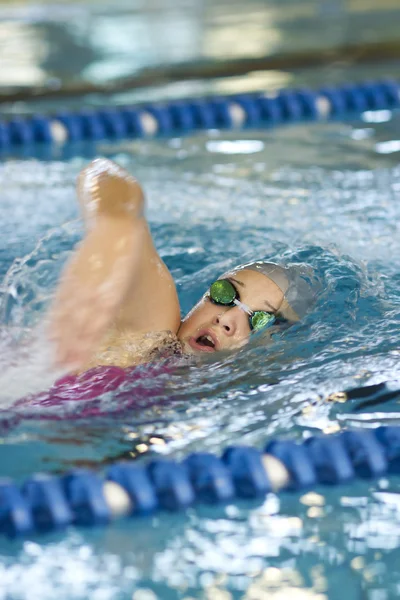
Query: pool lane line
x,y
182,117
81,497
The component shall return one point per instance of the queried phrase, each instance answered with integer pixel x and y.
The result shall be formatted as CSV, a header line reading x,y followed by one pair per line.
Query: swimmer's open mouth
x,y
205,342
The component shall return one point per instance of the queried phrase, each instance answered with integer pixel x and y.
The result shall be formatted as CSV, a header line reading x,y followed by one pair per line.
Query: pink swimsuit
x,y
88,394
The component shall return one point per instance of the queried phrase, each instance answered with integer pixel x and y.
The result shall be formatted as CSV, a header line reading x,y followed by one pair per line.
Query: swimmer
x,y
116,302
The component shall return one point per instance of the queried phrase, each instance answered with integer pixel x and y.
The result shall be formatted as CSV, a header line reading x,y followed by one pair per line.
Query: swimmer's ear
x,y
105,188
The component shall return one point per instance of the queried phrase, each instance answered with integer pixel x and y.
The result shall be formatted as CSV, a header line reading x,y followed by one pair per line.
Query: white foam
x,y
25,368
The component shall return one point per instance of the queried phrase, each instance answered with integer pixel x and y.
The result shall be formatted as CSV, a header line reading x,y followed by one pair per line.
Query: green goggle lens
x,y
261,319
222,292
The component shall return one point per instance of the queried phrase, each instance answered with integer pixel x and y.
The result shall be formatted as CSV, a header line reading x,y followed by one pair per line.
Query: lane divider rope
x,y
82,497
172,118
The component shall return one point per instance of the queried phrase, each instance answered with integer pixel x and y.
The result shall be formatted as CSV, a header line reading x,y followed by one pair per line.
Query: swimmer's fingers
x,y
105,188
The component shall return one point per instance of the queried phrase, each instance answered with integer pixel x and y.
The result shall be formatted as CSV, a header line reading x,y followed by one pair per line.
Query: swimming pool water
x,y
325,195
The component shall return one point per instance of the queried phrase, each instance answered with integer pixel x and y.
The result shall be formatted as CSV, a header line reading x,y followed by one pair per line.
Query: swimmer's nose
x,y
228,321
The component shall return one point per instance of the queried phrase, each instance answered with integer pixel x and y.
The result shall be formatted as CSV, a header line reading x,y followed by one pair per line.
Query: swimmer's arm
x,y
115,278
107,192
151,302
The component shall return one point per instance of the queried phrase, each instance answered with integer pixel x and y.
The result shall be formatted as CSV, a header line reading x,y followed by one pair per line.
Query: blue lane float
x,y
174,118
82,497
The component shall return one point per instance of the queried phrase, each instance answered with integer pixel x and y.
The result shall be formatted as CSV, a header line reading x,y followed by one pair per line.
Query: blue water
x,y
324,195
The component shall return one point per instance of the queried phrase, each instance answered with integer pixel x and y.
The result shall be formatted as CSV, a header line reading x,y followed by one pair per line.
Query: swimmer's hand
x,y
92,288
105,188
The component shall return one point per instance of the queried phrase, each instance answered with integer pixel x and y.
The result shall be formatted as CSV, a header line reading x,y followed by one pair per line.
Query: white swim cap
x,y
295,282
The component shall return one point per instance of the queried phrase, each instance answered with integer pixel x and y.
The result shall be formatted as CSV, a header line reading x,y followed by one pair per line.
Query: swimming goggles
x,y
224,293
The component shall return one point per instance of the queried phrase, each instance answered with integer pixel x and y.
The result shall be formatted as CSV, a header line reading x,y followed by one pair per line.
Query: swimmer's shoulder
x,y
126,348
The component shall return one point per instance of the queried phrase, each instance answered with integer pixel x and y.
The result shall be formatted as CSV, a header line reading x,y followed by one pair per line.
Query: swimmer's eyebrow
x,y
236,281
275,310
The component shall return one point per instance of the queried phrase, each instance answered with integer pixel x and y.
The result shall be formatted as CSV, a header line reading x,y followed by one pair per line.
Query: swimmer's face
x,y
210,327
